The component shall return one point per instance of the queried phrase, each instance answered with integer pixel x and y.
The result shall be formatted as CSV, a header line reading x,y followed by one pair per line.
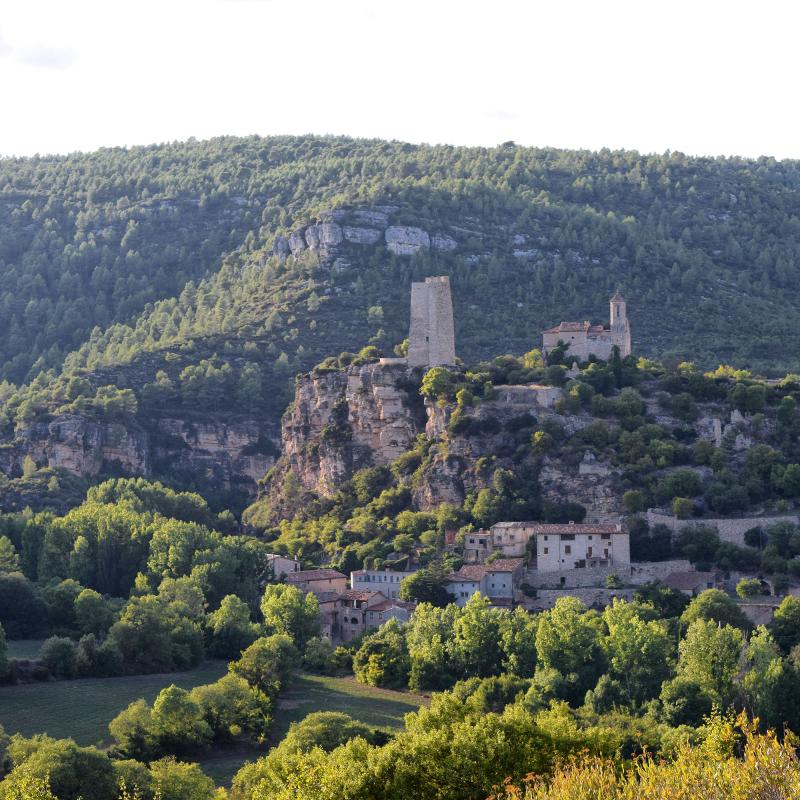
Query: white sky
x,y
704,77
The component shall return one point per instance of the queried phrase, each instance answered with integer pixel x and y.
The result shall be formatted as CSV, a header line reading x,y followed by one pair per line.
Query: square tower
x,y
431,338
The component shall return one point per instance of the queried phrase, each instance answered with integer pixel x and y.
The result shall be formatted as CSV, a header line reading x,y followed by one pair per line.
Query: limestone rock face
x,y
230,455
405,241
441,241
281,247
370,216
297,243
330,234
361,235
342,421
81,446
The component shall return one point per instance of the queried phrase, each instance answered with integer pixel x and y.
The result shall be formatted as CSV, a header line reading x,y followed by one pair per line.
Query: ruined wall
x,y
730,529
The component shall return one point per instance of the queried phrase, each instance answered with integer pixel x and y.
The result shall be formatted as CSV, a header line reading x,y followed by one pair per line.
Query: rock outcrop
x,y
343,420
405,240
231,455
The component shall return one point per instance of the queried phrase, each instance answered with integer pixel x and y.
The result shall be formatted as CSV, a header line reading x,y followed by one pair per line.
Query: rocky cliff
x,y
345,420
341,421
226,457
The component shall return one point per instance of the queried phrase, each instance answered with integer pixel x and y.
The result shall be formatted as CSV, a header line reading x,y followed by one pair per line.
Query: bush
x,y
748,588
60,656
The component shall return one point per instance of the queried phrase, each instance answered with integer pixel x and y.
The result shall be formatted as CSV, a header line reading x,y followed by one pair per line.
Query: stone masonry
x,y
431,339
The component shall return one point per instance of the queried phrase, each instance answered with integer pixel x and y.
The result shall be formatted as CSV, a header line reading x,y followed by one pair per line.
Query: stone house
x,y
280,567
556,547
386,581
353,607
318,580
585,339
496,581
382,612
477,546
581,546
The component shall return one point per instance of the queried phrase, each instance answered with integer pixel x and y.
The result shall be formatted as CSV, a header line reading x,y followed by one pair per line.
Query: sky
x,y
708,77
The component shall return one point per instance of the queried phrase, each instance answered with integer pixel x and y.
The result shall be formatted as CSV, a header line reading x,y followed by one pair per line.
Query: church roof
x,y
576,327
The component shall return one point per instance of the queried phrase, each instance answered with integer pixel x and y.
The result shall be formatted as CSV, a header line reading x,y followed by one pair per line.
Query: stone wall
x,y
730,529
591,596
649,571
589,577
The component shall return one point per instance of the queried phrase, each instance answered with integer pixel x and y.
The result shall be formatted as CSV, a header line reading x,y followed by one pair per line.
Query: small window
x,y
546,551
567,549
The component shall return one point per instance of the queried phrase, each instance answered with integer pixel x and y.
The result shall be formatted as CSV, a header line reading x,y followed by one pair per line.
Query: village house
x,y
329,603
353,607
556,547
279,567
318,580
382,612
386,581
580,546
496,581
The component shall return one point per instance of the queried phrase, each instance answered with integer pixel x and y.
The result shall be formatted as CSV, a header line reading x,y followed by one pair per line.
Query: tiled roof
x,y
328,597
355,594
387,604
578,327
570,527
686,581
504,565
469,572
314,575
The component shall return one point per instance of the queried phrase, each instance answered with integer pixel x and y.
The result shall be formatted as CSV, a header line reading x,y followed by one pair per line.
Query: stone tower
x,y
431,338
619,312
620,326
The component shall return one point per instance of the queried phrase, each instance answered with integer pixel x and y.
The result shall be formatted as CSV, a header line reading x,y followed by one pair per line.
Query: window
x,y
545,551
567,548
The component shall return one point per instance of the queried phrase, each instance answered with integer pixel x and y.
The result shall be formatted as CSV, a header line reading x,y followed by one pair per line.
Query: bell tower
x,y
618,312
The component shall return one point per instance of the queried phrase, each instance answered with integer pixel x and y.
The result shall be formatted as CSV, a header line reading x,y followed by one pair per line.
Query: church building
x,y
585,339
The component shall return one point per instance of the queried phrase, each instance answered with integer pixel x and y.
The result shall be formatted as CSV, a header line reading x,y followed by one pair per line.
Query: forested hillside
x,y
90,239
192,281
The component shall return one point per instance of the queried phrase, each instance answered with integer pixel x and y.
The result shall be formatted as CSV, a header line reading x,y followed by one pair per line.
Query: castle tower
x,y
619,312
431,338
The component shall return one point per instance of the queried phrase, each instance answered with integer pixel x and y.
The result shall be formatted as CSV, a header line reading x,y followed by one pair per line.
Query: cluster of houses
x,y
496,564
528,564
348,607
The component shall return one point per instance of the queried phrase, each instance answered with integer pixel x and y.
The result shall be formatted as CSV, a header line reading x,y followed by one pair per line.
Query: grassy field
x,y
24,648
379,708
82,709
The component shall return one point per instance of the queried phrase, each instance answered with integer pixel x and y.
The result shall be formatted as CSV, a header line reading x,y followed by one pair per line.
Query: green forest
x,y
136,256
156,283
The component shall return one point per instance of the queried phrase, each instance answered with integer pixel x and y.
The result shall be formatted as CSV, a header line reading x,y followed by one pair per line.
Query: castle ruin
x,y
431,338
585,339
